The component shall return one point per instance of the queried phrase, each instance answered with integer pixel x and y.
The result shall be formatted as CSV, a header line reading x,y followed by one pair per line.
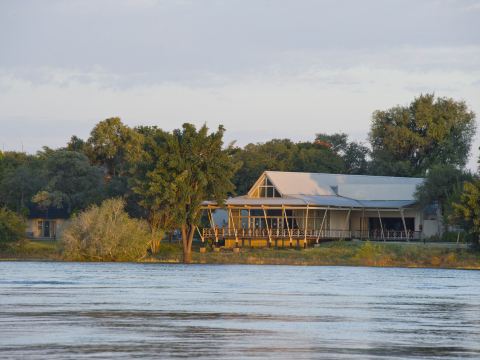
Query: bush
x,y
12,227
106,233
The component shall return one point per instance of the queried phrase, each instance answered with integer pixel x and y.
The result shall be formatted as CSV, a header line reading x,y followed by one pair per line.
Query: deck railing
x,y
245,233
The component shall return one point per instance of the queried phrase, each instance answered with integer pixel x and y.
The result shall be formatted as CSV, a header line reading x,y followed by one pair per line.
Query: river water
x,y
52,310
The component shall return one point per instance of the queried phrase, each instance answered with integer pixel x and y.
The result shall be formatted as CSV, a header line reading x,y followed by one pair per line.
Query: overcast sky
x,y
263,69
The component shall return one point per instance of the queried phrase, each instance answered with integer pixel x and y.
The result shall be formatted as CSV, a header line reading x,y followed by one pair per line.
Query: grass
x,y
31,250
353,253
338,253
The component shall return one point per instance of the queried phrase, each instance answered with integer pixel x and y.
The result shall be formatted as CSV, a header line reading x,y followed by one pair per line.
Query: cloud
x,y
253,107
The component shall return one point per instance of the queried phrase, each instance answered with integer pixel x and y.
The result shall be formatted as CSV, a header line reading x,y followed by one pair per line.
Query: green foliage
x,y
467,210
23,176
443,185
114,146
328,153
409,140
12,227
184,168
106,233
70,181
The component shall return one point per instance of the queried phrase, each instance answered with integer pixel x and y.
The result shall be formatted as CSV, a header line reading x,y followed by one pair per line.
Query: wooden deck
x,y
307,237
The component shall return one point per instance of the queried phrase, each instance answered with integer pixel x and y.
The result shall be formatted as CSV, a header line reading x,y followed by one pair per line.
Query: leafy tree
x,y
23,176
72,183
114,146
443,184
408,140
467,210
188,167
77,144
276,154
325,155
12,227
145,192
105,233
312,157
353,154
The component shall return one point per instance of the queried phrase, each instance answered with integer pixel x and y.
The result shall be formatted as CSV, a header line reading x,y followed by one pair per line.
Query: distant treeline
x,y
163,176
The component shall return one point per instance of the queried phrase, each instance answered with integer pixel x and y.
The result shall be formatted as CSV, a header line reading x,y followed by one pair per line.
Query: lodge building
x,y
286,209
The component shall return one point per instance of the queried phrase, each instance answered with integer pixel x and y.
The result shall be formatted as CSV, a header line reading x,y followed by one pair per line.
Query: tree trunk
x,y
187,238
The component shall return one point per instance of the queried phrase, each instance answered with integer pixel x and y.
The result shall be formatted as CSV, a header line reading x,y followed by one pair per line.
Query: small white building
x,y
301,209
45,224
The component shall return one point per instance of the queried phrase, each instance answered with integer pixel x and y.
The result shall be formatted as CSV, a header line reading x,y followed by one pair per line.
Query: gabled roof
x,y
358,187
335,190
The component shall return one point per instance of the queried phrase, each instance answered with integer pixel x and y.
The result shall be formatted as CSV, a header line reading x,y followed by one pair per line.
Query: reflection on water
x,y
75,311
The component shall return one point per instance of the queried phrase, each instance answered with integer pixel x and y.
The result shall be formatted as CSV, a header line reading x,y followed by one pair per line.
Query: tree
x,y
467,210
313,157
353,154
77,144
276,154
145,192
105,233
23,176
189,167
12,227
408,140
113,145
72,183
443,184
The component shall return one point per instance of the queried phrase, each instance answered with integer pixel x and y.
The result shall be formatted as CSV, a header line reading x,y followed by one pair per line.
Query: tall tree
x,y
71,182
353,154
467,210
112,145
442,186
23,176
189,167
408,140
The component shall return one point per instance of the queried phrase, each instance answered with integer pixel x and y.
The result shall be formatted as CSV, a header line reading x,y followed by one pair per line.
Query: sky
x,y
262,68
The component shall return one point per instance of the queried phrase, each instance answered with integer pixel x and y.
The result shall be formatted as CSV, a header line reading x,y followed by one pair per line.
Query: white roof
x,y
337,190
358,187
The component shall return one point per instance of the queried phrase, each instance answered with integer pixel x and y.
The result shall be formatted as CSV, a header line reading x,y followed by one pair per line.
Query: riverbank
x,y
434,255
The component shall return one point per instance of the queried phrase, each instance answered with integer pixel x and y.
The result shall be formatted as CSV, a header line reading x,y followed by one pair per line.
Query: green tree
x,y
443,185
354,155
105,233
408,140
23,176
314,157
113,145
72,183
467,210
189,166
12,227
276,154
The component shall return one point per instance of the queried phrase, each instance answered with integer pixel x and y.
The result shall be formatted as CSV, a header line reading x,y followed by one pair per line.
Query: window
x,y
265,190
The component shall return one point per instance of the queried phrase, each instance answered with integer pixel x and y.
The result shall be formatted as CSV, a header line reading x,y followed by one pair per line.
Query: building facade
x,y
285,209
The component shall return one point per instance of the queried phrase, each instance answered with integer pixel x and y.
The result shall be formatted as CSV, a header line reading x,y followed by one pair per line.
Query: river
x,y
51,310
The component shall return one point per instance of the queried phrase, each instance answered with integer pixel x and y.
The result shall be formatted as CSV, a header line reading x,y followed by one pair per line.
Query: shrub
x,y
12,227
106,233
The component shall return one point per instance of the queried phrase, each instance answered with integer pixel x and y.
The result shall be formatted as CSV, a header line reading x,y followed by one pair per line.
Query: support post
x,y
321,226
347,220
268,227
234,227
212,224
200,234
288,226
305,227
404,224
381,225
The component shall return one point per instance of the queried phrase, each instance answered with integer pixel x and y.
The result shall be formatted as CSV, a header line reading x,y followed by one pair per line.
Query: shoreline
x,y
340,253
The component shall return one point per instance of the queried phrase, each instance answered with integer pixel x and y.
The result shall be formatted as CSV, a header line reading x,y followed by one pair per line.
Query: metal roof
x,y
334,190
364,187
